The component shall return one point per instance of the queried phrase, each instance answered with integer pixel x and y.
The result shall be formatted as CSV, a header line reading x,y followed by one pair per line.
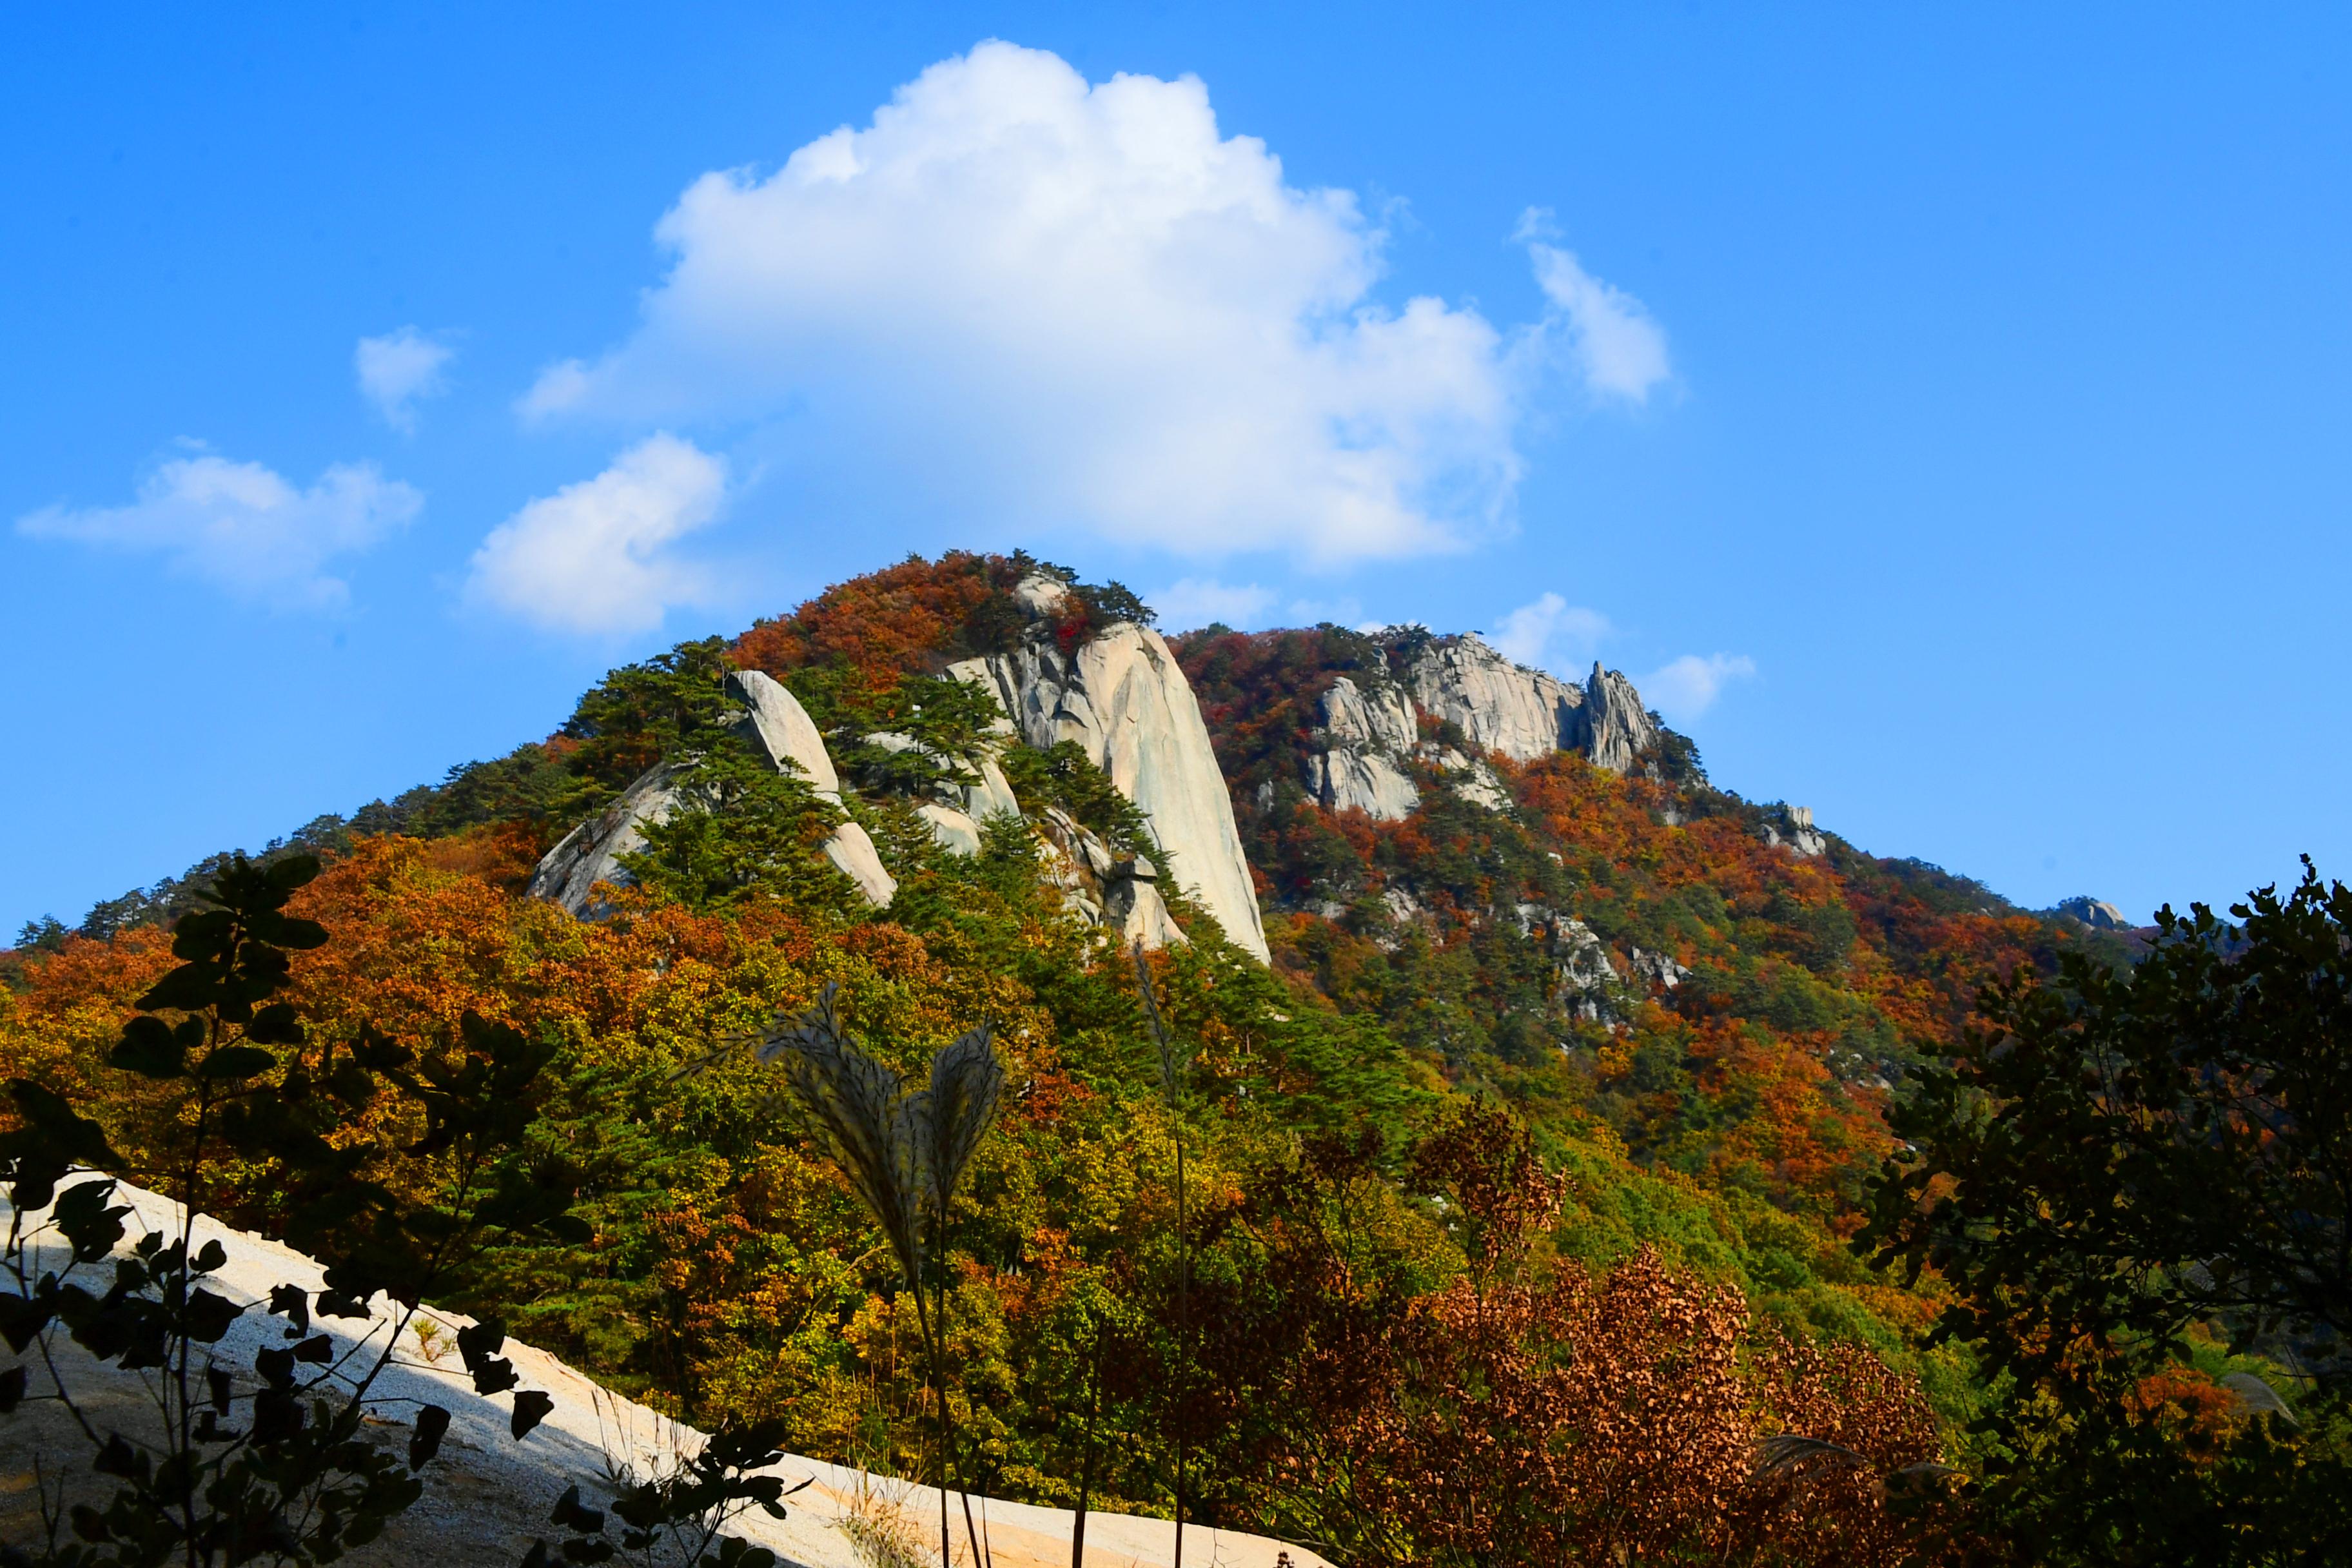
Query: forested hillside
x,y
1520,1187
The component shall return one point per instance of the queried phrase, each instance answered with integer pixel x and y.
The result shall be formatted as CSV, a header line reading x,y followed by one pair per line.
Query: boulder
x,y
1585,977
957,833
487,1494
1123,699
1525,713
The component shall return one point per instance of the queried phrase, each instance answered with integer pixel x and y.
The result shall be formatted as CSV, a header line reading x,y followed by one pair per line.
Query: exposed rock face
x,y
1795,831
1118,892
956,815
1522,713
1123,699
1611,727
591,853
1359,773
773,721
1584,975
853,854
2096,914
1383,721
1659,969
1525,713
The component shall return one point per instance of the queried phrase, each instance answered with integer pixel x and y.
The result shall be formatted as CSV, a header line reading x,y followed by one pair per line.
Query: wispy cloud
x,y
244,527
1616,345
1047,298
1549,633
596,556
399,370
1688,686
1197,601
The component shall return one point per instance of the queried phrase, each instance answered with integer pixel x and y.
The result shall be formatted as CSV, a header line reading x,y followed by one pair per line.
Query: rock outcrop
x,y
1122,699
1794,830
1364,735
2096,913
1525,713
773,723
957,812
591,853
1503,706
1610,726
1118,892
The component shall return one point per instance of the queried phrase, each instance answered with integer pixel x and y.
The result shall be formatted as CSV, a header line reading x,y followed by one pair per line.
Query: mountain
x,y
1471,978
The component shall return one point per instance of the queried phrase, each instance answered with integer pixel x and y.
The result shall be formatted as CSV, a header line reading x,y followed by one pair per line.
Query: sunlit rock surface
x,y
1122,699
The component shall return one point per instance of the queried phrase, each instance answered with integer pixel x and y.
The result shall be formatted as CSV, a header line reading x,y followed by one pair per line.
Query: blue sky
x,y
1944,410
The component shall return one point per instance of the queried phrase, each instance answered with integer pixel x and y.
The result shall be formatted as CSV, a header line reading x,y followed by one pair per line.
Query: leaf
x,y
294,931
217,1380
569,1515
967,1085
21,1318
432,1425
873,1133
88,1222
211,1258
235,1062
334,1303
12,1389
208,1316
190,988
117,1457
277,1413
292,872
530,1408
317,1350
292,1303
274,1024
149,1047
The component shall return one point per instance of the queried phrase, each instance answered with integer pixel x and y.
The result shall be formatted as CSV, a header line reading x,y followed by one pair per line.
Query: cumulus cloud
x,y
400,370
1062,304
1689,686
595,556
1197,601
244,527
1616,346
1549,632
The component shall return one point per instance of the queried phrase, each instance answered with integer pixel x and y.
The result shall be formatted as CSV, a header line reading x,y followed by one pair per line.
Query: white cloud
x,y
1197,601
1056,304
594,556
1551,631
1688,686
400,370
1618,349
242,526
